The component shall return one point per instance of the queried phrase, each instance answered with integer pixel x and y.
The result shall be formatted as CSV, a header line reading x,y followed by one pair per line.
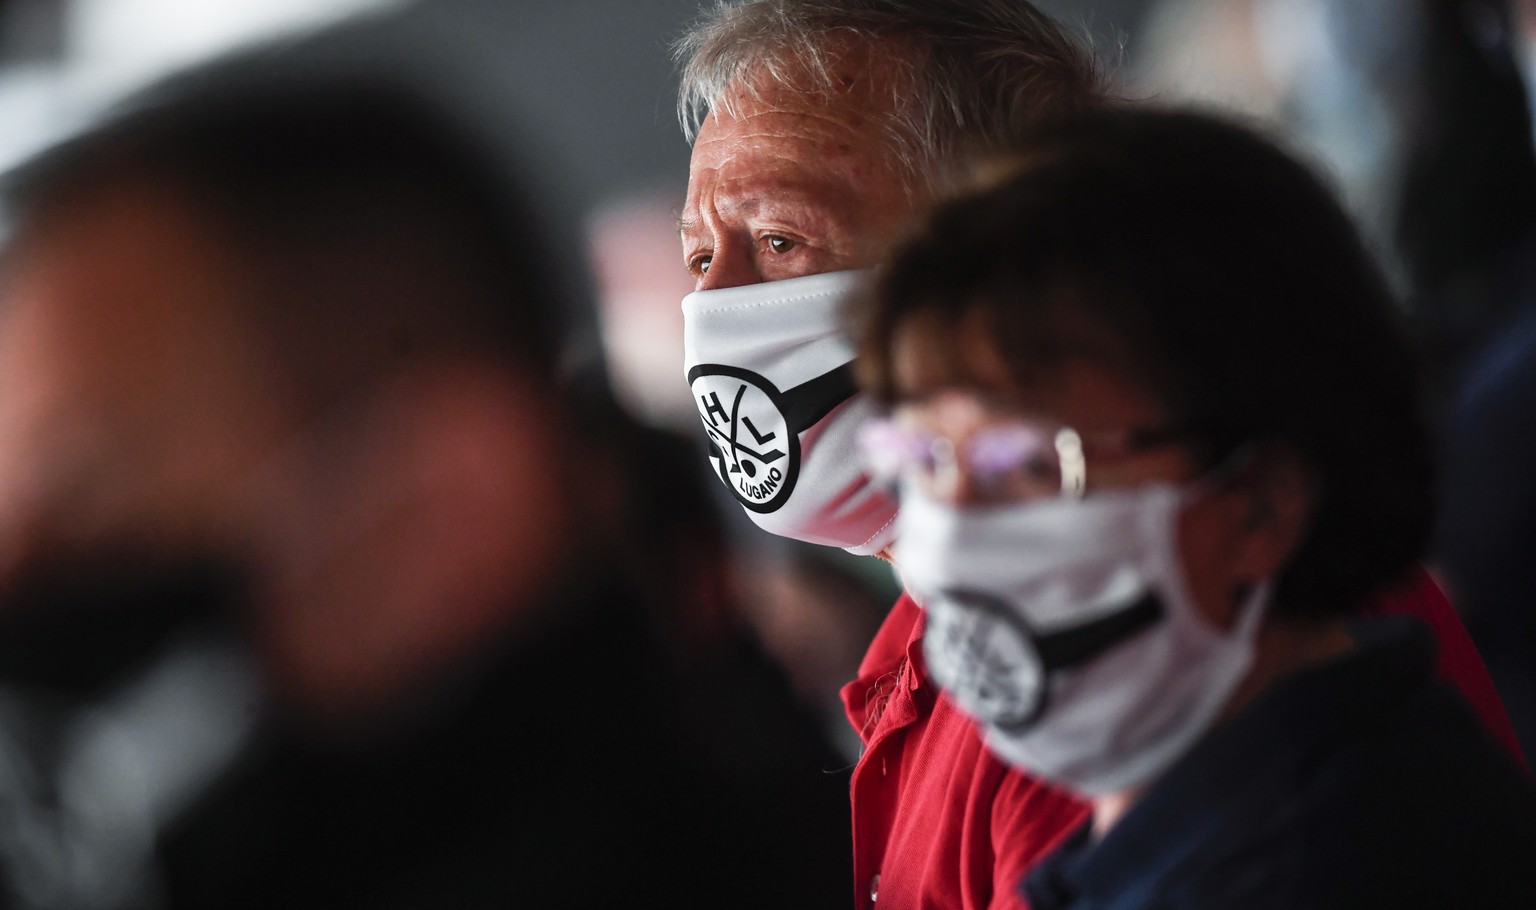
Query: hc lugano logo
x,y
754,429
751,445
999,667
983,652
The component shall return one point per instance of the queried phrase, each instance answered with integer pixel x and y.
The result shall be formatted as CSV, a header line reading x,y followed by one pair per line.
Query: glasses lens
x,y
887,449
1008,461
1017,460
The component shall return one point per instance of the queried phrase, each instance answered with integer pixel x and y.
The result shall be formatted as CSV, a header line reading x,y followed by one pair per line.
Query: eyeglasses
x,y
1015,460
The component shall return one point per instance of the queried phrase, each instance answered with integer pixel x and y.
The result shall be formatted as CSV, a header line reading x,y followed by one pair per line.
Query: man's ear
x,y
1279,493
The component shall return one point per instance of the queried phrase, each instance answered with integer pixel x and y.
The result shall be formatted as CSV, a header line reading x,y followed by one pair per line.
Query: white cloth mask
x,y
771,370
1066,628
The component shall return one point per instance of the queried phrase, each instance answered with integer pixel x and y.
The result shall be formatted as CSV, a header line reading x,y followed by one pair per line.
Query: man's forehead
x,y
784,142
830,84
768,189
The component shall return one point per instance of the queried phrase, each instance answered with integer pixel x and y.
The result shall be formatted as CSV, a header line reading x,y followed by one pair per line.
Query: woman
x,y
1158,438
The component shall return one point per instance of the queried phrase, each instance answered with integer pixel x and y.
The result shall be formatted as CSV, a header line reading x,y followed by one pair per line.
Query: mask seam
x,y
880,530
759,304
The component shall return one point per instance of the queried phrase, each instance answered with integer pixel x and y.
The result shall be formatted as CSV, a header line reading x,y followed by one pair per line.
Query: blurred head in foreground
x,y
305,327
286,347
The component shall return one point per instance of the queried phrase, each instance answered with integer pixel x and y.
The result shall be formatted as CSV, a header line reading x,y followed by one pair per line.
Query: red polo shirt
x,y
938,822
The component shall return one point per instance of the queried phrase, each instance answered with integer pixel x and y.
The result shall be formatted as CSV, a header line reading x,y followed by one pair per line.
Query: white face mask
x,y
770,368
1066,628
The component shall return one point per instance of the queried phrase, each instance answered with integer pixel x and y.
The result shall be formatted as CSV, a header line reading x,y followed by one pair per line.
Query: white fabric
x,y
1120,717
750,349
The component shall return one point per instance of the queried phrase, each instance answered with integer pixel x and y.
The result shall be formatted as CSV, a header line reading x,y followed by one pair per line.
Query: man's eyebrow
x,y
745,208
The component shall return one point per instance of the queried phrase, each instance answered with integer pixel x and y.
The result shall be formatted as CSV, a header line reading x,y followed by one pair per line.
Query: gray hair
x,y
973,74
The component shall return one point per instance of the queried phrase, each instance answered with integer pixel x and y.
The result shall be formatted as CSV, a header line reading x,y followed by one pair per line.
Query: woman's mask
x,y
1066,628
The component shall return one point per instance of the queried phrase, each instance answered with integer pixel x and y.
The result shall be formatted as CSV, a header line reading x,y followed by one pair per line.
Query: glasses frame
x,y
1073,448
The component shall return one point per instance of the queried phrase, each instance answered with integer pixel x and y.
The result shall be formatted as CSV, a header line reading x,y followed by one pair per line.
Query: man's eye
x,y
779,244
700,264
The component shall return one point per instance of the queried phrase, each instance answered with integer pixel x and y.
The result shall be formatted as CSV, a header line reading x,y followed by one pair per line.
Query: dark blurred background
x,y
1387,94
1416,108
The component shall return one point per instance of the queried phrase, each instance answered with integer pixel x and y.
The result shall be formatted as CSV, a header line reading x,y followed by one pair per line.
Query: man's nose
x,y
730,267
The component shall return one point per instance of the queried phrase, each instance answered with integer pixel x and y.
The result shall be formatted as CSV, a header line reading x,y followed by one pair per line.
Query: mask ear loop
x,y
1252,611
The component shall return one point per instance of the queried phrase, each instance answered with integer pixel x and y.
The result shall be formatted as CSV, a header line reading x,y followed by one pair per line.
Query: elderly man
x,y
820,128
